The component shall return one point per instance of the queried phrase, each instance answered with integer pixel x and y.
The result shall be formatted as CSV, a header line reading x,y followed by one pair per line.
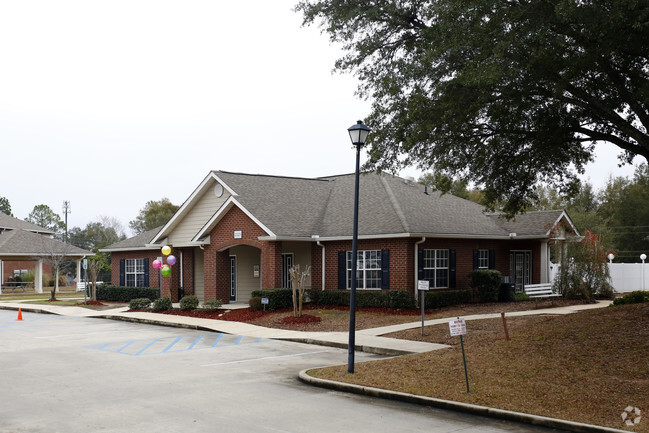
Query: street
x,y
66,374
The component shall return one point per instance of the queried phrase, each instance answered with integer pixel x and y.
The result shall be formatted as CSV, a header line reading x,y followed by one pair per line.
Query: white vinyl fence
x,y
625,277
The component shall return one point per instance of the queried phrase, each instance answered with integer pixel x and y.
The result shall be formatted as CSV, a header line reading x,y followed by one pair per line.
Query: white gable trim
x,y
229,203
563,215
190,200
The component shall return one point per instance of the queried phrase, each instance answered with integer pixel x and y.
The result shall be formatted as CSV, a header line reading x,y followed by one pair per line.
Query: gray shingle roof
x,y
10,223
138,241
26,243
300,207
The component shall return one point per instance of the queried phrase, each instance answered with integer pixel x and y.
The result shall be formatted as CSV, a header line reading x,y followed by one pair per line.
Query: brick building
x,y
240,232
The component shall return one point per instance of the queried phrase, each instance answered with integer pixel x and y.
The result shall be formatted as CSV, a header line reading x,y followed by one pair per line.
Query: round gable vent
x,y
218,190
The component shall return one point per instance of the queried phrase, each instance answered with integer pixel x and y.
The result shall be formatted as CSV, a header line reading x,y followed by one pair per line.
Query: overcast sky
x,y
110,104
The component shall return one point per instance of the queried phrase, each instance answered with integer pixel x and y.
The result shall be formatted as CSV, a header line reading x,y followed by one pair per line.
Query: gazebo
x,y
23,241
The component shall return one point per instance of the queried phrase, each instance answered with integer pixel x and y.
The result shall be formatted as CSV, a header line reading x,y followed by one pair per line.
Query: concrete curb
x,y
526,418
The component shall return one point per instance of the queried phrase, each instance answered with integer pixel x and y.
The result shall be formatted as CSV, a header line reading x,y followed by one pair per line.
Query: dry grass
x,y
584,367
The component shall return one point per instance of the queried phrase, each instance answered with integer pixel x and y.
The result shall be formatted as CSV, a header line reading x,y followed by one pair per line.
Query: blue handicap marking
x,y
157,346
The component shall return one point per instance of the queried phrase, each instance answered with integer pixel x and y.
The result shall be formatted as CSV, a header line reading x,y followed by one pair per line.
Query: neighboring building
x,y
240,232
26,247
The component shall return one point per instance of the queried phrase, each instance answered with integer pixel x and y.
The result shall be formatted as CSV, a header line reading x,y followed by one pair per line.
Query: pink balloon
x,y
171,260
156,264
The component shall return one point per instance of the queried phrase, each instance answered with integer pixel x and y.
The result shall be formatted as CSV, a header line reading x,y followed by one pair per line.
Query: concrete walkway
x,y
367,340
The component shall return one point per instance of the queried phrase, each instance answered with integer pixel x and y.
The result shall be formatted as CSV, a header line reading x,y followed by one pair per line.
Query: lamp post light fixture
x,y
643,257
358,134
610,256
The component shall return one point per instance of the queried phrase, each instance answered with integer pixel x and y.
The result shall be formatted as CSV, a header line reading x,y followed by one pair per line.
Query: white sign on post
x,y
85,263
423,285
457,327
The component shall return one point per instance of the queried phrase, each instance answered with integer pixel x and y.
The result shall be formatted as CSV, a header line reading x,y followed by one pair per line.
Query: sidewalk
x,y
367,340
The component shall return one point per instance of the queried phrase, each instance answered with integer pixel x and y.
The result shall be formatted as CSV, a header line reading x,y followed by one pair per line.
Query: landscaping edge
x,y
526,418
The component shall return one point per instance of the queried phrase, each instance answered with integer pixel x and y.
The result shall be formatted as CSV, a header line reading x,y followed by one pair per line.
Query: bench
x,y
537,291
13,285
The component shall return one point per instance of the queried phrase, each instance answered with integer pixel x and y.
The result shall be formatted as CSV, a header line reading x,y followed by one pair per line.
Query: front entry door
x,y
520,268
233,278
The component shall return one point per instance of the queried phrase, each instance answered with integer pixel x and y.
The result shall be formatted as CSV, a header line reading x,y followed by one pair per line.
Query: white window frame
x,y
483,259
134,272
369,271
437,263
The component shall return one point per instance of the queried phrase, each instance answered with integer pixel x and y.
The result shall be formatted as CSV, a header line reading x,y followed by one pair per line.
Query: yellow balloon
x,y
166,250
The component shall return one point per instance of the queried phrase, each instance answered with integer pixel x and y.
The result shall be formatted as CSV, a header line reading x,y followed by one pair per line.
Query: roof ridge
x,y
395,204
320,179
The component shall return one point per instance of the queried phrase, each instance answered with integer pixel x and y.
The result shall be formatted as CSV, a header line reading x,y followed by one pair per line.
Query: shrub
x,y
401,299
277,298
139,304
189,302
446,298
485,284
106,292
162,304
255,303
213,304
636,297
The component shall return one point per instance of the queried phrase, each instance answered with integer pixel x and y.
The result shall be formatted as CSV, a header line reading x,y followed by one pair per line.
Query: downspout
x,y
423,239
323,263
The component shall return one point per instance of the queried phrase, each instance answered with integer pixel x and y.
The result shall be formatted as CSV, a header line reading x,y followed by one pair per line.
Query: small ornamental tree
x,y
584,273
298,279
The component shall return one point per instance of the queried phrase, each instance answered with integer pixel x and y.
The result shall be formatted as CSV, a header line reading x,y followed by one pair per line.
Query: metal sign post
x,y
422,286
458,327
85,275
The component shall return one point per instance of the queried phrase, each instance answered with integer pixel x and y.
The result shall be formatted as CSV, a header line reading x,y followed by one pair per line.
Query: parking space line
x,y
265,358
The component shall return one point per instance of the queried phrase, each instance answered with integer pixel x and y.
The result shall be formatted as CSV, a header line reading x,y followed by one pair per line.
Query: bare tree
x,y
55,254
297,282
95,265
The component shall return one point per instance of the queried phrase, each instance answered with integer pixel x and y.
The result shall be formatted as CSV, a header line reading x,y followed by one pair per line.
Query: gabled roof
x,y
26,243
140,241
10,223
302,208
538,223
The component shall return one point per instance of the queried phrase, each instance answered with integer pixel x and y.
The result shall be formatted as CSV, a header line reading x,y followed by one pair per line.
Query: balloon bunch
x,y
165,269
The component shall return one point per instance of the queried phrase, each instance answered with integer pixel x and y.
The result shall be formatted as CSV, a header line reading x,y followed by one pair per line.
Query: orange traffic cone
x,y
20,314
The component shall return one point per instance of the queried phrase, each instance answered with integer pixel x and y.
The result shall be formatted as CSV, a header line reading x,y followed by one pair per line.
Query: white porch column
x,y
38,277
545,263
78,279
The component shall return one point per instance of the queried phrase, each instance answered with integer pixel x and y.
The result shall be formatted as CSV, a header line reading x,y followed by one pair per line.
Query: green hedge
x,y
277,298
636,297
446,298
365,298
126,294
486,284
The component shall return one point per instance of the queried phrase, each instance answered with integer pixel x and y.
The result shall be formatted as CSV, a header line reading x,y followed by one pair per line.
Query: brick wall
x,y
29,265
402,260
154,280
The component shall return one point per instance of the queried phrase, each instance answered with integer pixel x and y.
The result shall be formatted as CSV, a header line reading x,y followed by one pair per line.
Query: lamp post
x,y
610,256
358,134
643,257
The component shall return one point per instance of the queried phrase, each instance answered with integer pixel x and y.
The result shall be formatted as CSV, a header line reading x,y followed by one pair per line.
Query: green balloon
x,y
166,270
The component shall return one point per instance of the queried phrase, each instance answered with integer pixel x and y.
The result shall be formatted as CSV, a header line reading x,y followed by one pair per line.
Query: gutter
x,y
416,291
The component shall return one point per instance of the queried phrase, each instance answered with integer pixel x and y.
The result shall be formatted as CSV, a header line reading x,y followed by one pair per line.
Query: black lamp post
x,y
358,133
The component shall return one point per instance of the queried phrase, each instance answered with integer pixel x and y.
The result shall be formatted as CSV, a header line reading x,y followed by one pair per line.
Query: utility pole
x,y
67,208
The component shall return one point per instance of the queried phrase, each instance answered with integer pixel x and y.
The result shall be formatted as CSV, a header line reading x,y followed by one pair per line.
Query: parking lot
x,y
65,374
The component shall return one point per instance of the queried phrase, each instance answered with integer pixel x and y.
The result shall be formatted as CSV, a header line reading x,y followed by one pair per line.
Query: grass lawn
x,y
586,367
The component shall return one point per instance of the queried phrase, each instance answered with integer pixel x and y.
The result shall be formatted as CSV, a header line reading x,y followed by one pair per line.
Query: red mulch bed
x,y
247,315
91,303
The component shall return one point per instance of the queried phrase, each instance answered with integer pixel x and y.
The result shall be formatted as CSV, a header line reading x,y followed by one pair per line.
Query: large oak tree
x,y
506,93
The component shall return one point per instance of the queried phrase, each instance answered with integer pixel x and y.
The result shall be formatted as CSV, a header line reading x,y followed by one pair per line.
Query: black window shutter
x,y
451,270
342,270
146,272
492,259
476,255
385,269
122,275
420,264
